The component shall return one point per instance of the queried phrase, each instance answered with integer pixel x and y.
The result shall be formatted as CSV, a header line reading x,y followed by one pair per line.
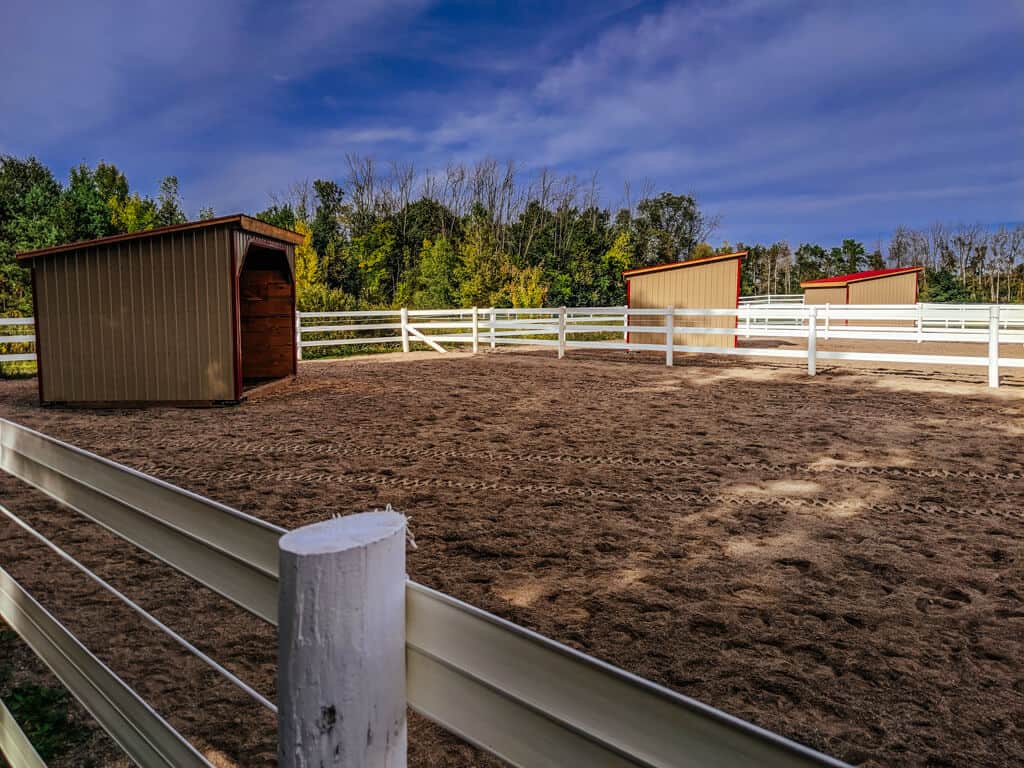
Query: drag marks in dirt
x,y
828,467
838,508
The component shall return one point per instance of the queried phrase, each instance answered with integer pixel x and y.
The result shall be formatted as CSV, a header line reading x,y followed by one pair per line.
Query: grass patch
x,y
42,712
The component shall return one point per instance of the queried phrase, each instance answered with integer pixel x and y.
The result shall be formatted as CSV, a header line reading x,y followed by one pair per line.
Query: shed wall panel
x,y
893,289
141,320
829,295
703,286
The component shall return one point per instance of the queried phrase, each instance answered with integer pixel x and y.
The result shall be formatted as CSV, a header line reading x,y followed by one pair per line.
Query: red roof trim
x,y
678,264
840,280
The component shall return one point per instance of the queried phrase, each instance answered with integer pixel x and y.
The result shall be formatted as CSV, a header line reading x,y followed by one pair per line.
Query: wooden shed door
x,y
267,315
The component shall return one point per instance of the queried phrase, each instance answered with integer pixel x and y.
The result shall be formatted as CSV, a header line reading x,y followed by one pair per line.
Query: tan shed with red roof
x,y
182,314
708,283
876,286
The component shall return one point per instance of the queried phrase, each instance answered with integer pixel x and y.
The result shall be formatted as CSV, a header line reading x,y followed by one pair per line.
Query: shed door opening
x,y
267,316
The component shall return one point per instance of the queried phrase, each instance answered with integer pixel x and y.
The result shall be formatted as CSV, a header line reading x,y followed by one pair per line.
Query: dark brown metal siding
x,y
139,321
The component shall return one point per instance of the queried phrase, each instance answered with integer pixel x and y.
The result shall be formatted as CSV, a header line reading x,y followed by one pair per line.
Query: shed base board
x,y
263,385
116,404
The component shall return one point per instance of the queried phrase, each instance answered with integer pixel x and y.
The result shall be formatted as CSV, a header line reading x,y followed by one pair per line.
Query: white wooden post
x,y
405,329
494,320
625,324
341,643
669,335
993,347
561,332
812,342
920,322
476,330
298,336
827,320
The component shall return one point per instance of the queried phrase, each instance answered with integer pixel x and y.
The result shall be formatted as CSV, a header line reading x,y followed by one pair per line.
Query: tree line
x,y
481,234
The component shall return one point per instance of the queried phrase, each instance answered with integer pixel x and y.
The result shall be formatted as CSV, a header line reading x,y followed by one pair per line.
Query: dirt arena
x,y
838,559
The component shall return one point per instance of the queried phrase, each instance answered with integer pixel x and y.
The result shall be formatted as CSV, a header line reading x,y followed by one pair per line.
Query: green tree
x,y
435,285
132,213
327,217
279,215
168,203
83,213
668,227
29,203
482,268
307,267
526,287
811,262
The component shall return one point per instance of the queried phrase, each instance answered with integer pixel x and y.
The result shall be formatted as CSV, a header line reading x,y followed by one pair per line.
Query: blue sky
x,y
797,121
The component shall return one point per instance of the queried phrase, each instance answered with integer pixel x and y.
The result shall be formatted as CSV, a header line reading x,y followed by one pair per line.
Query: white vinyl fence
x,y
567,328
16,331
509,691
772,298
610,328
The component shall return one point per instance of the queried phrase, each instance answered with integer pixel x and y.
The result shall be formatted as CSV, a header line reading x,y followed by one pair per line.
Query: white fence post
x,y
670,333
993,347
494,320
341,643
561,332
298,336
920,322
812,341
476,330
405,329
625,325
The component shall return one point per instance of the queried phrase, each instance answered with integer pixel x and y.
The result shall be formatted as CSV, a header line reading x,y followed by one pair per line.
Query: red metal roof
x,y
677,264
855,277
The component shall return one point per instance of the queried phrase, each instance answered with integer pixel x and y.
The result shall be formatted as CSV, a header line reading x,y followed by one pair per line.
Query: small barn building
x,y
876,286
712,282
186,314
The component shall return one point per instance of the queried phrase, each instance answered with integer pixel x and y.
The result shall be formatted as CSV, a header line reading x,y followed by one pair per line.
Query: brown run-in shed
x,y
186,314
712,282
876,286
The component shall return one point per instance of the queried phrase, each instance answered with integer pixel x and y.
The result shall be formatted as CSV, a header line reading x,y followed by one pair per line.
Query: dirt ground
x,y
838,559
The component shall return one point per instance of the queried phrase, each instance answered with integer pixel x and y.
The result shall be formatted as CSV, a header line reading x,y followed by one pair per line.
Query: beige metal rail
x,y
512,692
14,744
143,735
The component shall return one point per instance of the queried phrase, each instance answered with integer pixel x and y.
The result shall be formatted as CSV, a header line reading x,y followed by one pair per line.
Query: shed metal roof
x,y
246,223
679,264
855,277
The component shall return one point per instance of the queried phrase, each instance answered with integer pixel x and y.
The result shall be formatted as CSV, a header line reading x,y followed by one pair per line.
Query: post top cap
x,y
341,533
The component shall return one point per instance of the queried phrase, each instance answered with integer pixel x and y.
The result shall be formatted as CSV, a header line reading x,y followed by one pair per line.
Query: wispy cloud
x,y
793,120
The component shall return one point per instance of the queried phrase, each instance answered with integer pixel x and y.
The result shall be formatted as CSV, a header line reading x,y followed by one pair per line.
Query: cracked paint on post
x,y
341,643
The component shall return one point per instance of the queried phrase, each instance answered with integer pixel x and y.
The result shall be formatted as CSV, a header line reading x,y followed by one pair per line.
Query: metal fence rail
x,y
510,691
143,735
15,744
231,553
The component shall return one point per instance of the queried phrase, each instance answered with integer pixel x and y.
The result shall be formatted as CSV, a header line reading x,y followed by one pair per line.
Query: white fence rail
x,y
510,691
612,328
772,298
16,330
